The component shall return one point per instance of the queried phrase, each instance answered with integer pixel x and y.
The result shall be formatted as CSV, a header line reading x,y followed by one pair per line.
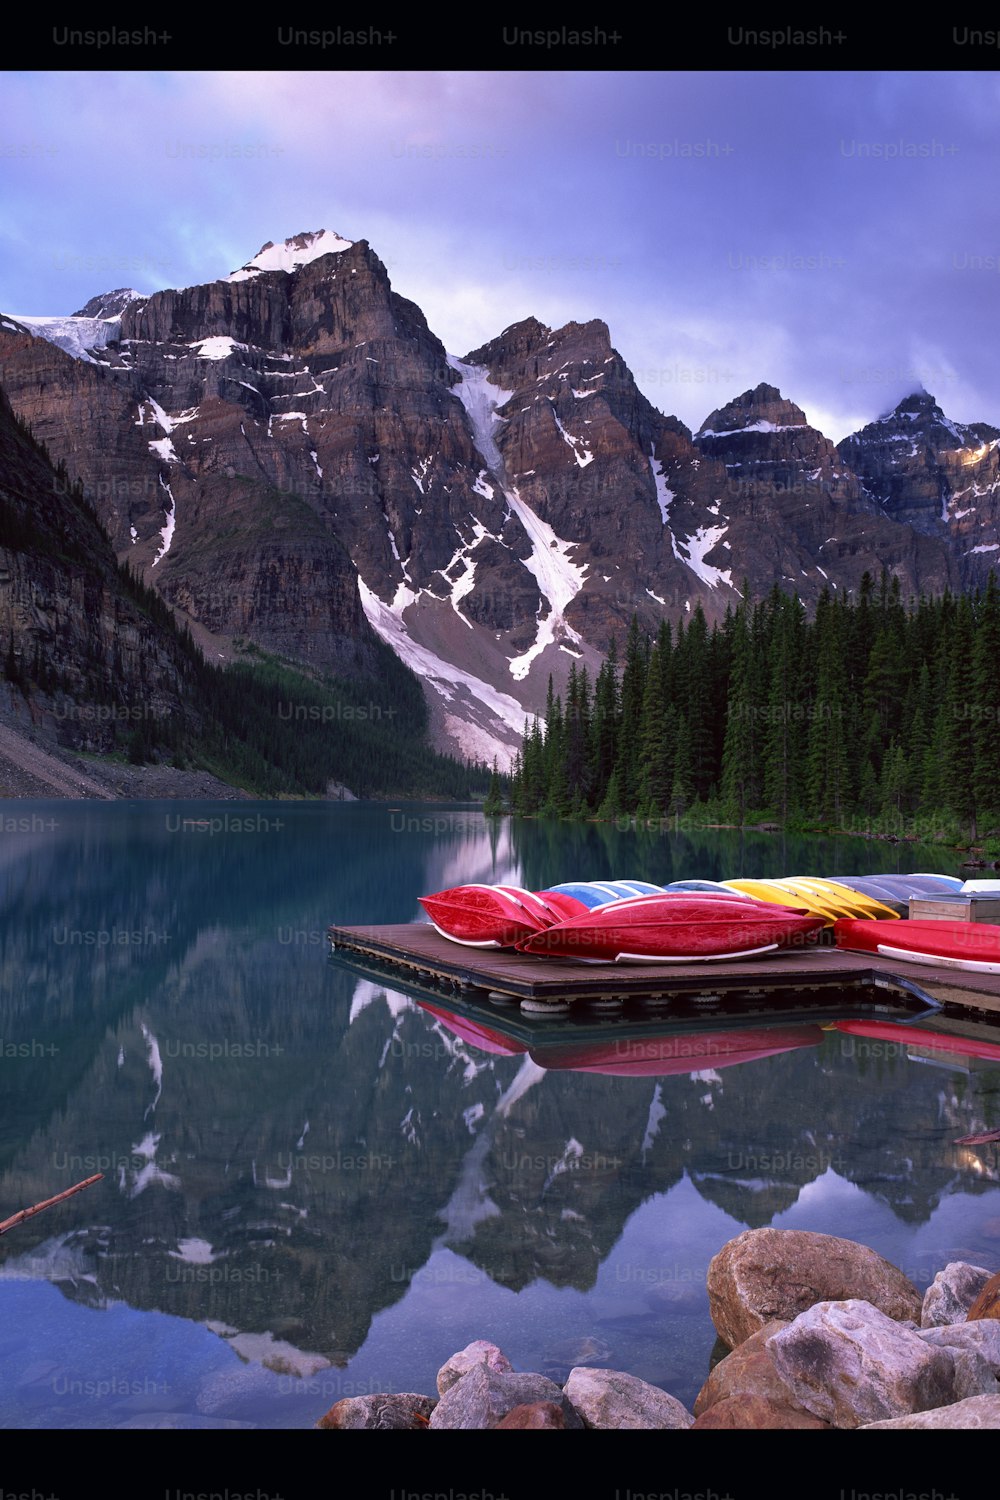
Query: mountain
x,y
938,476
796,508
291,458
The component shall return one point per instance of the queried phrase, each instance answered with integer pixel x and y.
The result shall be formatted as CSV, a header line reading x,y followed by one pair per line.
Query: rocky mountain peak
x,y
517,343
110,304
920,421
763,409
935,474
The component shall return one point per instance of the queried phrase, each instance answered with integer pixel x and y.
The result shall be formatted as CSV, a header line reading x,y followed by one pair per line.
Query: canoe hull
x,y
674,929
972,946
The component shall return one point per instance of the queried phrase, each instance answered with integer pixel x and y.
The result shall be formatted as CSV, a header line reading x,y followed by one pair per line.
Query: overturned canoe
x,y
493,916
973,946
673,929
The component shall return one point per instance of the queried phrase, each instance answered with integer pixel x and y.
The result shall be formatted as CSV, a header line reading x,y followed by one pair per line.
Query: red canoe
x,y
673,929
493,916
656,1057
974,946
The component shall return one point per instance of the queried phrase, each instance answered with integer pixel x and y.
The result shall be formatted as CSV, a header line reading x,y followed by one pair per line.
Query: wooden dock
x,y
415,952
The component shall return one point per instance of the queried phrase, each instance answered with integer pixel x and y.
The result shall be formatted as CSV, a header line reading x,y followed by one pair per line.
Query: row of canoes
x,y
633,921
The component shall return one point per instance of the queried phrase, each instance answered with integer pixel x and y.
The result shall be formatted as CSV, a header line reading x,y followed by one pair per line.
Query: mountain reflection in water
x,y
327,1187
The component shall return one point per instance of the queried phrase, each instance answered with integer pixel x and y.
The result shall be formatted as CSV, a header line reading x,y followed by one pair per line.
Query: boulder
x,y
952,1293
536,1414
484,1396
779,1273
750,1413
477,1353
983,1335
987,1304
612,1399
387,1411
977,1411
747,1371
849,1364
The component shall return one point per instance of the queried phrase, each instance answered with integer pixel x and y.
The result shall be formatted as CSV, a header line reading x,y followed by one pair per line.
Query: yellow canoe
x,y
864,906
779,895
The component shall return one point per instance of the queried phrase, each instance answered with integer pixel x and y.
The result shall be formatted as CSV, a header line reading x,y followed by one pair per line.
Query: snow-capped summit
x,y
296,251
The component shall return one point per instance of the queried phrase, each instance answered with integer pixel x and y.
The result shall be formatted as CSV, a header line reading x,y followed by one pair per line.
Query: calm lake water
x,y
313,1188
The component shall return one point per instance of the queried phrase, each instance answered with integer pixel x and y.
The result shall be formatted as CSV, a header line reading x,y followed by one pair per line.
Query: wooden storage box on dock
x,y
957,908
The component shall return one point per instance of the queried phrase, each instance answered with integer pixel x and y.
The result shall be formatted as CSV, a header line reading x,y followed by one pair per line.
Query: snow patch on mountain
x,y
465,582
218,346
664,495
580,451
444,677
761,425
558,579
167,533
110,304
696,547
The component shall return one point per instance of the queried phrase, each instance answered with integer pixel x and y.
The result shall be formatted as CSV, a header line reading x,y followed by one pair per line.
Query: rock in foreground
x,y
779,1273
483,1397
479,1352
952,1293
850,1364
978,1411
612,1399
396,1412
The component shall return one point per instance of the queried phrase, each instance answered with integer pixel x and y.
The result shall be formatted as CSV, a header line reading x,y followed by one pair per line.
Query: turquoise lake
x,y
314,1188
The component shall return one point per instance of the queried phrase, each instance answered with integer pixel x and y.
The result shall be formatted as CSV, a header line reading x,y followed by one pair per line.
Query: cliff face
x,y
290,456
65,614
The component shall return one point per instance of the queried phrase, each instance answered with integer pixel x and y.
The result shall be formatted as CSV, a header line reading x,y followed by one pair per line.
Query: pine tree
x,y
960,731
632,693
986,705
739,755
828,786
655,757
493,806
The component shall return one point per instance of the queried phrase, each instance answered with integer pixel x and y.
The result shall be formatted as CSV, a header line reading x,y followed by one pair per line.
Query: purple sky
x,y
835,234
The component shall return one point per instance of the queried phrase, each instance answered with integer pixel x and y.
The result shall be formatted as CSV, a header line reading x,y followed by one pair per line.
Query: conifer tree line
x,y
873,714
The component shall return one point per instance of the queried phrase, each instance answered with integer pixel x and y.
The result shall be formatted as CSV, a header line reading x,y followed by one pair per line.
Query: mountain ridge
x,y
290,456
